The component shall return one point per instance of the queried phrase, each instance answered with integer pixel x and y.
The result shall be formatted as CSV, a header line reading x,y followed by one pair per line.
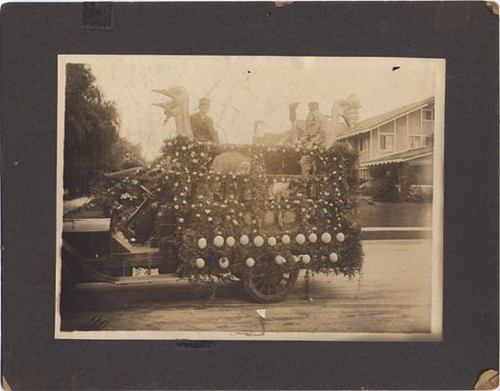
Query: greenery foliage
x,y
385,181
204,215
92,143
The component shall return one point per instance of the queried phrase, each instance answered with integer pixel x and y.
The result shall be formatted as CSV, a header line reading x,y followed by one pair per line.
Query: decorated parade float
x,y
209,212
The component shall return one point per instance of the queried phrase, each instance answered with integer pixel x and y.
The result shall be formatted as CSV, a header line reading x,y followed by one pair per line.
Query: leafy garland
x,y
206,218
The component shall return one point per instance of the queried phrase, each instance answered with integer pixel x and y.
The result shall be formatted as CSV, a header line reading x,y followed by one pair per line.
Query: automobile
x,y
261,225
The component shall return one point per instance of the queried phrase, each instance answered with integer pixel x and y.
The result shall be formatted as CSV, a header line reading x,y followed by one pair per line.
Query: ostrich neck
x,y
182,122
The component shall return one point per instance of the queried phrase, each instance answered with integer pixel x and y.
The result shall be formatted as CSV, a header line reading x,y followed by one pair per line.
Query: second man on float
x,y
316,134
202,124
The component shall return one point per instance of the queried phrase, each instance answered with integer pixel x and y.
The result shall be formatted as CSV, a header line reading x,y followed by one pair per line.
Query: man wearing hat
x,y
202,125
316,134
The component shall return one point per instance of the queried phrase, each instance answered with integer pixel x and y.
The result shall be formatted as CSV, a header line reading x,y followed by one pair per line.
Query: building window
x,y
364,174
386,142
415,142
363,144
428,114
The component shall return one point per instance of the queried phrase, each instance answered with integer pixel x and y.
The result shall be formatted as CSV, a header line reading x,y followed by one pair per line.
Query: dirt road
x,y
393,295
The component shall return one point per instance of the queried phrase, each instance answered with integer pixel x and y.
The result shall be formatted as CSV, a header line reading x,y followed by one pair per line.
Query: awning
x,y
394,160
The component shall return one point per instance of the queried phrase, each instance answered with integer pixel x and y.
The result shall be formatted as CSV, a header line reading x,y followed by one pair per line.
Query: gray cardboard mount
x,y
33,34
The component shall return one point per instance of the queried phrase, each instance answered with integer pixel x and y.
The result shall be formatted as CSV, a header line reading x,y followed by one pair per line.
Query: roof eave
x,y
358,132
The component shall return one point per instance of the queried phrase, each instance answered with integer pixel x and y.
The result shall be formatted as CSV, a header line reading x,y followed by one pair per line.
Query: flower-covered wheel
x,y
271,284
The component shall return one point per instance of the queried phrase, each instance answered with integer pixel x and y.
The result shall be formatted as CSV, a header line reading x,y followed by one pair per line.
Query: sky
x,y
244,90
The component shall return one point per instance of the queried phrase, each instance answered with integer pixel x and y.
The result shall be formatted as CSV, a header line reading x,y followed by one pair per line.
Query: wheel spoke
x,y
278,288
270,286
259,283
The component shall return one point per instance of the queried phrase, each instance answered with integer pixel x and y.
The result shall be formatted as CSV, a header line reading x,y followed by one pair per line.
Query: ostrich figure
x,y
177,108
346,109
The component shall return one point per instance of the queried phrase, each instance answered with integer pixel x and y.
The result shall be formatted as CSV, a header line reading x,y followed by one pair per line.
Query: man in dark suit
x,y
202,125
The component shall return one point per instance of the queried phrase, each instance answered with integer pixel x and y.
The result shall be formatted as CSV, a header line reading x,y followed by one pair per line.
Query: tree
x,y
126,155
92,144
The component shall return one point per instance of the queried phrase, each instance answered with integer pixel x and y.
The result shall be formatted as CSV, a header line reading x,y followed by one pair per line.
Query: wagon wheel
x,y
270,285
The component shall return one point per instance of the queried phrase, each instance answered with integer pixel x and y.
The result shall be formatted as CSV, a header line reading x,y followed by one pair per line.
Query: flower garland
x,y
223,223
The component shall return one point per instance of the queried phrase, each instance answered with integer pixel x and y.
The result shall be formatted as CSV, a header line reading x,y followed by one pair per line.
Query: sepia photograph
x,y
250,198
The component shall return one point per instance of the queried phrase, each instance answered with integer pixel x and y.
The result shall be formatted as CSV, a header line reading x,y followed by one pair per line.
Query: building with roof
x,y
397,144
380,138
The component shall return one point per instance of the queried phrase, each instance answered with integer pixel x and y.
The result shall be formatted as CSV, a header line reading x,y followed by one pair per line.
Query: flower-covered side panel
x,y
223,208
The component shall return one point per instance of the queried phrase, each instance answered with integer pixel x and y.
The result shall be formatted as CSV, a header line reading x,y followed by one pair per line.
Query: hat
x,y
204,102
313,105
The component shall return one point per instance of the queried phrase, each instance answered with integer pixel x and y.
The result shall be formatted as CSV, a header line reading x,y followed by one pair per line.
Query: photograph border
x,y
437,66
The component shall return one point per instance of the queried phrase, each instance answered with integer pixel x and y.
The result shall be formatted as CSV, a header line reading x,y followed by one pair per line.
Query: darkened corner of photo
x,y
97,15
